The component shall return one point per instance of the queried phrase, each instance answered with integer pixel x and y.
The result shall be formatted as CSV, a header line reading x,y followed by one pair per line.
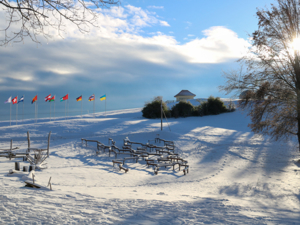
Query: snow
x,y
235,176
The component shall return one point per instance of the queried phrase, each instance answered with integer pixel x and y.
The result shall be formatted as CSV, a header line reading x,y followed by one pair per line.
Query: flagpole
x,y
50,111
35,112
81,107
94,104
17,112
68,107
54,108
65,110
10,113
37,109
23,109
105,103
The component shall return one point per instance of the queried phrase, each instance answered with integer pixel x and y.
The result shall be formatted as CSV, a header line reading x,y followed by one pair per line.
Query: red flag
x,y
48,98
34,99
52,99
15,100
92,98
66,97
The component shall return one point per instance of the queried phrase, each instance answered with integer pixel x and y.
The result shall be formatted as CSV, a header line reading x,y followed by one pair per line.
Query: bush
x,y
213,106
152,110
198,111
182,109
231,106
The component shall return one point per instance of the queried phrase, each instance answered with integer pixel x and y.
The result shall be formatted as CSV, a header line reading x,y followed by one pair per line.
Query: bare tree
x,y
271,72
31,18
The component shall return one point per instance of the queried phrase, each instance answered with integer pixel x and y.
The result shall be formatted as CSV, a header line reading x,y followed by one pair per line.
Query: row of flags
x,y
50,98
14,100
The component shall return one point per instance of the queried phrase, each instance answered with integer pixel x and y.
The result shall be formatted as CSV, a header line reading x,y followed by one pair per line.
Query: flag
x,y
103,97
34,99
8,100
48,98
66,97
15,100
79,98
52,99
92,98
21,99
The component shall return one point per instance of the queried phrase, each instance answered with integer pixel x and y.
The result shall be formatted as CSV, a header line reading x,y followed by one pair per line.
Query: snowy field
x,y
235,177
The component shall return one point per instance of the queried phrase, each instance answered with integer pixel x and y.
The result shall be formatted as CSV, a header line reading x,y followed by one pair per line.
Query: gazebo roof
x,y
185,93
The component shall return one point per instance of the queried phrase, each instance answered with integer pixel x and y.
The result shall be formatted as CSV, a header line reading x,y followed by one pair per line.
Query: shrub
x,y
231,106
213,106
182,109
198,111
152,110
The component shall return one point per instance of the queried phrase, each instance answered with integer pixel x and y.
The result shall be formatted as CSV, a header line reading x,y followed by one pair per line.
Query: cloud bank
x,y
119,55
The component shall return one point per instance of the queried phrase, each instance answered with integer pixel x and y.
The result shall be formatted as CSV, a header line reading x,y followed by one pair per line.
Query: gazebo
x,y
184,95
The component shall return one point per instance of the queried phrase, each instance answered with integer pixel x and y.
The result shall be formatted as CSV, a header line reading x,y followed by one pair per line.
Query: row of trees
x,y
212,106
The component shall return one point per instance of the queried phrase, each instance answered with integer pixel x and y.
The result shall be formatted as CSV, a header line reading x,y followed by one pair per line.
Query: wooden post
x,y
17,166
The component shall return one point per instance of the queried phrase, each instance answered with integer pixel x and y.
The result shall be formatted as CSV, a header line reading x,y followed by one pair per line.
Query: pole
x,y
23,109
81,107
68,107
54,108
35,111
161,124
65,110
105,104
10,113
50,111
17,112
94,104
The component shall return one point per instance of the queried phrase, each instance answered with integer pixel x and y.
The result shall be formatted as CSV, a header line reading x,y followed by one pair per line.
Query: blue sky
x,y
141,49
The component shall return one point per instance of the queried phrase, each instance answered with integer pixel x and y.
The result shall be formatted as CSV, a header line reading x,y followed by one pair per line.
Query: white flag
x,y
8,100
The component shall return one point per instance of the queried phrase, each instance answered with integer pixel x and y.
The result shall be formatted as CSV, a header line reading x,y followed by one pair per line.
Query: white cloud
x,y
155,7
219,45
164,23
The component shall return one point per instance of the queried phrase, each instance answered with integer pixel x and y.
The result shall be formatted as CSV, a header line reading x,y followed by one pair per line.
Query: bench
x,y
154,154
183,165
116,162
164,159
151,164
186,170
156,169
86,141
128,158
123,168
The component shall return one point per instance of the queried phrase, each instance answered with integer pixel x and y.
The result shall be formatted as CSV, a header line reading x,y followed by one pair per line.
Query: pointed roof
x,y
185,93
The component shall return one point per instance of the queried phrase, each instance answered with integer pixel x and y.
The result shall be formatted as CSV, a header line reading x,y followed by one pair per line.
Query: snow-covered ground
x,y
235,177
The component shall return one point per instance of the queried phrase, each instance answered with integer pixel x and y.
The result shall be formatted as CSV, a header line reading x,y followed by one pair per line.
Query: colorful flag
x,y
8,100
48,98
15,100
21,99
79,98
103,97
52,99
66,97
92,98
34,99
